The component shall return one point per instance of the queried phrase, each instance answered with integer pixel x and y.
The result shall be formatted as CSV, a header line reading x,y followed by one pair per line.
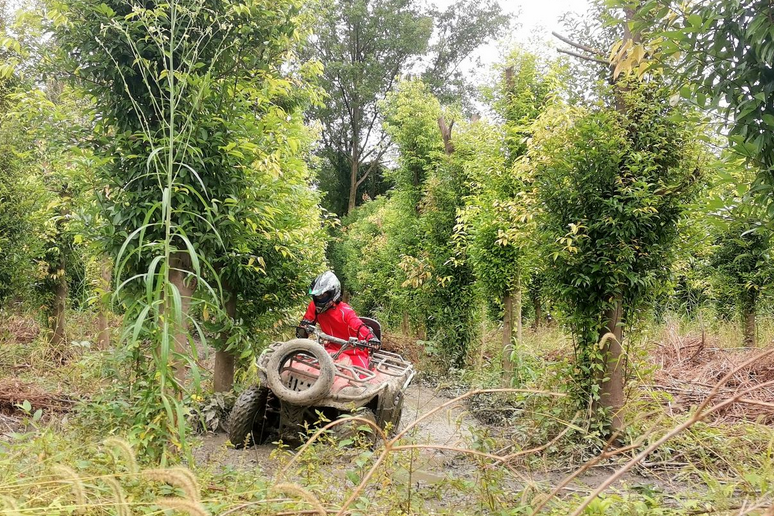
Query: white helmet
x,y
325,291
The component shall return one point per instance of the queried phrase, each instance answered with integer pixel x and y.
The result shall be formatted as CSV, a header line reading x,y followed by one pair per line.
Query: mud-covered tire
x,y
318,390
397,414
247,416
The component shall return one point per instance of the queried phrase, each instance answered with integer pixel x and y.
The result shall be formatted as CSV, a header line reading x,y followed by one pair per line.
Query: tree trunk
x,y
405,327
446,134
58,337
180,277
507,339
519,325
223,375
353,186
482,349
103,319
749,328
538,312
612,390
354,159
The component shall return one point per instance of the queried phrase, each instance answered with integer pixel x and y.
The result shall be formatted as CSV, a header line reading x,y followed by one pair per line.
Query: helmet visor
x,y
323,298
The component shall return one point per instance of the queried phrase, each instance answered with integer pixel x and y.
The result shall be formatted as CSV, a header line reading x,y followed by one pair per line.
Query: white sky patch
x,y
535,19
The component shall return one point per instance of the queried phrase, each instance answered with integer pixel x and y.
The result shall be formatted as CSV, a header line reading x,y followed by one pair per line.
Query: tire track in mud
x,y
449,426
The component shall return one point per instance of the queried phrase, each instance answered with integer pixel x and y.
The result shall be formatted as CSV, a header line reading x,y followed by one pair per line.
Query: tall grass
x,y
161,314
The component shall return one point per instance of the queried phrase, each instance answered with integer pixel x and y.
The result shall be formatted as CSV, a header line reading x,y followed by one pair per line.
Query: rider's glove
x,y
302,330
374,343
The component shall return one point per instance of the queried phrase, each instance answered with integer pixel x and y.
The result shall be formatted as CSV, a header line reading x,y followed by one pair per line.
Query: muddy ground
x,y
453,427
449,427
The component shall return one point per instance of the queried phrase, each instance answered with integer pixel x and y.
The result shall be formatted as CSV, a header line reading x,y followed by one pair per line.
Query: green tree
x,y
458,32
398,254
365,45
739,265
52,118
497,221
41,121
19,197
742,267
611,186
199,107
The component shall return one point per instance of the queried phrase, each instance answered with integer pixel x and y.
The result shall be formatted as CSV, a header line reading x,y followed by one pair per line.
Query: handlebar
x,y
353,341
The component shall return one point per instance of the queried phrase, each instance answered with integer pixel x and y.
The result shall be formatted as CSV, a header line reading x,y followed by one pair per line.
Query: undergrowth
x,y
59,463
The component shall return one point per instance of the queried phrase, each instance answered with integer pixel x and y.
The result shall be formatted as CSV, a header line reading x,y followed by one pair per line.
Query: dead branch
x,y
539,449
579,46
698,415
391,445
581,56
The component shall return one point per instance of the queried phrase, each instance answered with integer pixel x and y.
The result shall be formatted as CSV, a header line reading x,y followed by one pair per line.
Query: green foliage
x,y
411,117
742,264
494,226
724,50
450,294
365,45
458,32
497,224
611,189
199,108
18,190
378,253
18,195
333,180
241,131
397,254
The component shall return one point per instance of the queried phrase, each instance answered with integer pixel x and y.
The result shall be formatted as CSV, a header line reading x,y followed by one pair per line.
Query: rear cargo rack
x,y
390,364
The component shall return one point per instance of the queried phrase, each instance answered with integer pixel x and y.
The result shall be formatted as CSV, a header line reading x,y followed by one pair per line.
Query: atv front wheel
x,y
247,422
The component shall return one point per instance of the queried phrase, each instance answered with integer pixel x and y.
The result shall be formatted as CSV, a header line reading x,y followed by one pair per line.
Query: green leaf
x,y
352,476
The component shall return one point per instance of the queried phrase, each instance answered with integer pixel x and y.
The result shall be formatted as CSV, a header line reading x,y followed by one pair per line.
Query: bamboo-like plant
x,y
196,115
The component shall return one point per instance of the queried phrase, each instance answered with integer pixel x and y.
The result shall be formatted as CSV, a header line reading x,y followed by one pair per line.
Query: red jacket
x,y
340,321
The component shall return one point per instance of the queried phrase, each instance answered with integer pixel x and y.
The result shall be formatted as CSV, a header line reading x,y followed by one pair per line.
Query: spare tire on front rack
x,y
302,387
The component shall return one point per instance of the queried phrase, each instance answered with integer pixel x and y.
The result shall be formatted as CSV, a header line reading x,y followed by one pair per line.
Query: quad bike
x,y
300,380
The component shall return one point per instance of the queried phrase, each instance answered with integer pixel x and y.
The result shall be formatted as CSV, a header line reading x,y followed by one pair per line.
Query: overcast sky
x,y
534,18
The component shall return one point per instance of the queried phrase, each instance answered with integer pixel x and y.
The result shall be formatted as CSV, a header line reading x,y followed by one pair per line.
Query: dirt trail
x,y
447,427
450,426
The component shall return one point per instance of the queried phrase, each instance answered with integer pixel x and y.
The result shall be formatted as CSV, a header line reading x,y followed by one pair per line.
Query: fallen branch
x,y
698,415
390,445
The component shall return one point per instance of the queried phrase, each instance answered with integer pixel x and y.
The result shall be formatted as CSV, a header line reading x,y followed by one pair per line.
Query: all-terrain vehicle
x,y
300,380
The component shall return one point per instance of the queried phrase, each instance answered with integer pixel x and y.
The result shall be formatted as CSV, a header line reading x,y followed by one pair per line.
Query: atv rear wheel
x,y
280,361
397,413
247,422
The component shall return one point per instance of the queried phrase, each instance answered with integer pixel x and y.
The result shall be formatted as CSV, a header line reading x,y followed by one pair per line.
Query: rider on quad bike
x,y
334,367
337,319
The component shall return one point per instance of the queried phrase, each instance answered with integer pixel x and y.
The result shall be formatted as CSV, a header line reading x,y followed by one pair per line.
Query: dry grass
x,y
14,392
690,366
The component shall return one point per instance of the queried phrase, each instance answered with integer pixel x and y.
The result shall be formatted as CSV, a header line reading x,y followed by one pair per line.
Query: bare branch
x,y
375,162
700,413
581,56
377,146
579,46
